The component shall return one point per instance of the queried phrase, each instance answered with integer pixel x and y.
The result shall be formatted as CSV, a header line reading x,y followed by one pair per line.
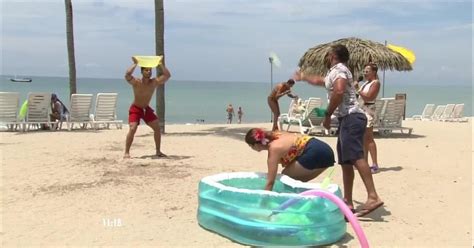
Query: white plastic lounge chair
x,y
290,115
313,123
426,114
79,110
311,103
9,102
392,118
438,112
457,114
39,109
380,106
105,111
447,113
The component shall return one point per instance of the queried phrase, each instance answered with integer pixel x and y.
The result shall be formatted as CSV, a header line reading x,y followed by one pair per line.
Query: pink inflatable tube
x,y
342,206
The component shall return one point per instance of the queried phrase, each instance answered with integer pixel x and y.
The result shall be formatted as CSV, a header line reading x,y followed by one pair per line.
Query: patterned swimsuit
x,y
296,150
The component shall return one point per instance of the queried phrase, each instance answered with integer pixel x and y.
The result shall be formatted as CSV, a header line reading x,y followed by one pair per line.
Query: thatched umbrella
x,y
361,53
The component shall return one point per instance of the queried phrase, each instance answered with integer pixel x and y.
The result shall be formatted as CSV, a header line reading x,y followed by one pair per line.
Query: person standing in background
x,y
240,113
368,94
230,113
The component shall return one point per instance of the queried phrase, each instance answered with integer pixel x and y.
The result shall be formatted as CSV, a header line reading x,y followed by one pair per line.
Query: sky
x,y
230,40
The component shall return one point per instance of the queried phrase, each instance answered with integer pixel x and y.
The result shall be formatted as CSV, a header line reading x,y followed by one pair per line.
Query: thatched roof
x,y
361,53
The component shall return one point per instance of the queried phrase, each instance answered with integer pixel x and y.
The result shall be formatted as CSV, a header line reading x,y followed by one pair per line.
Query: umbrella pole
x,y
271,84
383,78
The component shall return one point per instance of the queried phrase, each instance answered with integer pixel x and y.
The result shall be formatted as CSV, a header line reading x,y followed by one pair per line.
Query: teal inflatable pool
x,y
235,206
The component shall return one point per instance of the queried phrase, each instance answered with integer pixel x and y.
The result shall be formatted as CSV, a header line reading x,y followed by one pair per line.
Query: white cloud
x,y
232,37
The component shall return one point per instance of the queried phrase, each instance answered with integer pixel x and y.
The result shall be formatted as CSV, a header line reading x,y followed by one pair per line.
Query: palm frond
x,y
361,53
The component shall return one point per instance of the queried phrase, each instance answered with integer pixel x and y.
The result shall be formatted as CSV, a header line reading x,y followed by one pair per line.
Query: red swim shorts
x,y
136,113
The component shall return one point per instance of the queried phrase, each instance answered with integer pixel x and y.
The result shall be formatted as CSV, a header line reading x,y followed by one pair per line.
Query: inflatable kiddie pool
x,y
235,206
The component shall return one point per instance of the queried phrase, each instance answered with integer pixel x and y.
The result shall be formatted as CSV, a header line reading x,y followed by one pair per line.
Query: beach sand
x,y
73,188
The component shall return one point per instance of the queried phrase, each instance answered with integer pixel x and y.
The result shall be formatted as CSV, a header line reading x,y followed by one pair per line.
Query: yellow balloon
x,y
407,53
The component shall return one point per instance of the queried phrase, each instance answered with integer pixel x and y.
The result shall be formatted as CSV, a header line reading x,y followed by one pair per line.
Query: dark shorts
x,y
136,113
350,141
316,155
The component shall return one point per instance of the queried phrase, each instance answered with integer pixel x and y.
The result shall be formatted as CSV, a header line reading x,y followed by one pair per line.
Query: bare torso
x,y
278,89
143,91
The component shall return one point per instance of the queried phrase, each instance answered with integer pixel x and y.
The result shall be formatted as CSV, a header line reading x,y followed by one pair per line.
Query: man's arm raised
x,y
129,73
311,79
164,76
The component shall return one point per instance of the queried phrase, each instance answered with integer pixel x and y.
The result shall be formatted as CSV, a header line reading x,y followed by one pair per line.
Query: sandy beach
x,y
73,188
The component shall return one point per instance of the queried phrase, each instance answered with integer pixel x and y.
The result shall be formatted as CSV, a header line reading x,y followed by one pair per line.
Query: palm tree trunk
x,y
70,47
159,48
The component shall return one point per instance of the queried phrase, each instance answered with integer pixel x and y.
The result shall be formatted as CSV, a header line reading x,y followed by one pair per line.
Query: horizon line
x,y
219,81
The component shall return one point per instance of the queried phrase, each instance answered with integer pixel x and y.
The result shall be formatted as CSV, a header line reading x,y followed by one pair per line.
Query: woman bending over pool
x,y
303,157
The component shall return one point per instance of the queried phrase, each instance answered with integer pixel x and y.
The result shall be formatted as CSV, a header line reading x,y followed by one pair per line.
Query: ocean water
x,y
188,101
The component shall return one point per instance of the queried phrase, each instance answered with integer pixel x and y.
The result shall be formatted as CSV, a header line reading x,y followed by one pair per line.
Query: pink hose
x,y
342,206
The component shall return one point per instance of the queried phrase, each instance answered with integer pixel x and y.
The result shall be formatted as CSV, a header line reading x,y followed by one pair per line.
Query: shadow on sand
x,y
398,136
168,157
235,133
393,168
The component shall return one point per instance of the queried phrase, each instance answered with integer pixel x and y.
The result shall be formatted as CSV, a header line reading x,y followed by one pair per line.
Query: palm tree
x,y
70,47
159,48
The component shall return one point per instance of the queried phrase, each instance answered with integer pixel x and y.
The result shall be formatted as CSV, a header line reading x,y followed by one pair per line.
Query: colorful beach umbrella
x,y
407,53
361,52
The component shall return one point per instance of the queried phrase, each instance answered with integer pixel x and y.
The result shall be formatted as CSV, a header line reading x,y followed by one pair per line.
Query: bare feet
x,y
126,156
161,155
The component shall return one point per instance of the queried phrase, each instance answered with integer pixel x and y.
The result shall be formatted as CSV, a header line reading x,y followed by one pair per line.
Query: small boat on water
x,y
21,80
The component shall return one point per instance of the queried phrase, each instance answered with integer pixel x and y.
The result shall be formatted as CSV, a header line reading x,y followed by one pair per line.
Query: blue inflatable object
x,y
235,206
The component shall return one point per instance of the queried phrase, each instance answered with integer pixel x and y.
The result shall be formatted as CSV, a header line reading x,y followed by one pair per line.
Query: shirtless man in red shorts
x,y
143,90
